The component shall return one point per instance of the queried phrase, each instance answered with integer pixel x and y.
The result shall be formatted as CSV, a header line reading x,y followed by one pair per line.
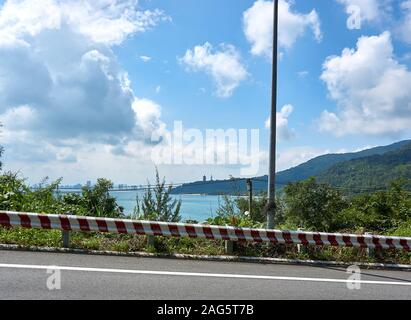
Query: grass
x,y
134,243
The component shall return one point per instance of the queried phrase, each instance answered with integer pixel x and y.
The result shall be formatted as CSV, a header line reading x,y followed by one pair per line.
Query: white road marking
x,y
196,274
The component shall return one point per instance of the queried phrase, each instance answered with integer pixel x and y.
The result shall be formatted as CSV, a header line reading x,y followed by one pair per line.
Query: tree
x,y
379,211
44,198
13,191
157,203
98,202
1,153
258,212
313,206
232,211
229,213
228,208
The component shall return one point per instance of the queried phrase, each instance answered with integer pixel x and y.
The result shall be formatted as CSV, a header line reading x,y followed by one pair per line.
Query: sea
x,y
193,206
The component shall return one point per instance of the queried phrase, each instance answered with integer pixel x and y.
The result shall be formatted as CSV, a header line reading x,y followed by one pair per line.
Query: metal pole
x,y
66,238
250,196
371,252
229,247
273,127
150,241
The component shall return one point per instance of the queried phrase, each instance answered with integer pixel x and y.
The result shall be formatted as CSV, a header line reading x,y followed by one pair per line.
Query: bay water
x,y
193,207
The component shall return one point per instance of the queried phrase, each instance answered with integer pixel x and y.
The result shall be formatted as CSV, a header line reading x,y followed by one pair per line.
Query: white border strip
x,y
197,274
221,258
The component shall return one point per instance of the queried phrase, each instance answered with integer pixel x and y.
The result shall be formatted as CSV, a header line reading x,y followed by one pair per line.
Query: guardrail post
x,y
65,234
150,241
374,246
229,247
371,252
302,249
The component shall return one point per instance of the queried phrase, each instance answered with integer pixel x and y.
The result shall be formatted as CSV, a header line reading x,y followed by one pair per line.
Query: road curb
x,y
261,260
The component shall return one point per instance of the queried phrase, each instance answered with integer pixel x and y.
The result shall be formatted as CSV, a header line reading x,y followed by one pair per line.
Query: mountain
x,y
374,172
346,170
317,165
218,187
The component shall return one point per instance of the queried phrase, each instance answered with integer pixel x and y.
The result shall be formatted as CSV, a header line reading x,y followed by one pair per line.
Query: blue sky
x,y
58,58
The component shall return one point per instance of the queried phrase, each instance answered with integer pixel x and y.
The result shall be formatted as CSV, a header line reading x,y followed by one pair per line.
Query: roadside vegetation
x,y
157,204
308,204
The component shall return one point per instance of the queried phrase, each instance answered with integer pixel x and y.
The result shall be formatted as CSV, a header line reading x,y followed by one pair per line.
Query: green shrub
x,y
380,211
30,237
98,202
16,195
13,192
313,206
157,204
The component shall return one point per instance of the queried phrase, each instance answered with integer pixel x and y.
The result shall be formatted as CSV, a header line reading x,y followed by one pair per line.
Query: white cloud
x,y
145,58
381,11
61,87
294,156
371,88
283,131
404,30
258,26
19,118
103,21
371,10
148,115
223,65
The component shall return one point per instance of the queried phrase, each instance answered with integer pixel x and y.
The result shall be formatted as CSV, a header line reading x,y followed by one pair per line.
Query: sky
x,y
86,85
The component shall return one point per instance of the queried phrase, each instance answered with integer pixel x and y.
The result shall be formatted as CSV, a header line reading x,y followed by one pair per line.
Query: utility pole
x,y
273,127
250,196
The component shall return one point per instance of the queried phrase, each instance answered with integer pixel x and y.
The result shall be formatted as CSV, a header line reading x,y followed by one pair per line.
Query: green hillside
x,y
218,187
356,171
370,173
317,165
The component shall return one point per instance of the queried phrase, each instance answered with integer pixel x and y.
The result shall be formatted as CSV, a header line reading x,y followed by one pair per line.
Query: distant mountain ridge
x,y
346,170
370,173
316,165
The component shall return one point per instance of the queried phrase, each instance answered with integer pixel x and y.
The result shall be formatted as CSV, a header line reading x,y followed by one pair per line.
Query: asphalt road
x,y
24,275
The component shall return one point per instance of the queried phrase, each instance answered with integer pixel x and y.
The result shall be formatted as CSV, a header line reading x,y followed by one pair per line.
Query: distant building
x,y
211,179
204,178
88,184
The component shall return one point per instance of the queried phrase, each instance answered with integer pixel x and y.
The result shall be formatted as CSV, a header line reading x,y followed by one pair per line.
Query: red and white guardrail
x,y
88,224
